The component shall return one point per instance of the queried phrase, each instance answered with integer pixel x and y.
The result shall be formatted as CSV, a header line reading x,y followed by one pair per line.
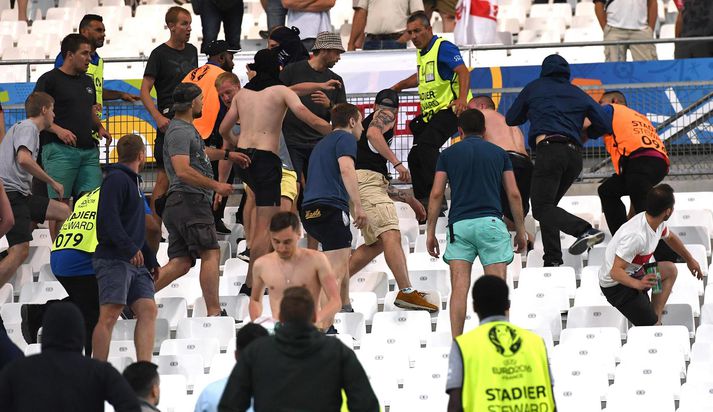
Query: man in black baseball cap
x,y
381,234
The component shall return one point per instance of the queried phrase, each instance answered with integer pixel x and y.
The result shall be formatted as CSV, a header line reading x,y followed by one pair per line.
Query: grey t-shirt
x,y
22,134
183,139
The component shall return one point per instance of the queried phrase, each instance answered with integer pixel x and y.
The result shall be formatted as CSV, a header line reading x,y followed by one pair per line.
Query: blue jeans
x,y
372,44
212,16
275,13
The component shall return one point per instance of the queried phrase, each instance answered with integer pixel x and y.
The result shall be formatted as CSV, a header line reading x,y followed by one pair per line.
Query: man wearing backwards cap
x,y
262,105
187,214
381,233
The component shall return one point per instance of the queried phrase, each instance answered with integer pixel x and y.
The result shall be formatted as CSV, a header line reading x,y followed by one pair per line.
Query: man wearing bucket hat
x,y
187,213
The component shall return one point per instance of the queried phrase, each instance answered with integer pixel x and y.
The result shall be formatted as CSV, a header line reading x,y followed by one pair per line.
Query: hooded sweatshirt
x,y
121,217
298,369
556,107
60,378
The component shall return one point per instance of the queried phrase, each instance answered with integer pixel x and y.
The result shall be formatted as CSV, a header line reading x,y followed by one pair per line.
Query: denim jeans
x,y
276,14
212,16
390,44
557,165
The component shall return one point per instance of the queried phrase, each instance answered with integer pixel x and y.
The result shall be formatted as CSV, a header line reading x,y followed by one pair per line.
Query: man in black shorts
x,y
623,277
18,164
188,215
168,64
331,185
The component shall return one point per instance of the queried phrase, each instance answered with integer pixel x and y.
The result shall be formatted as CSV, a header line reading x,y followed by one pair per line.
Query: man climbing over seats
x,y
381,233
18,164
510,139
261,106
290,266
626,276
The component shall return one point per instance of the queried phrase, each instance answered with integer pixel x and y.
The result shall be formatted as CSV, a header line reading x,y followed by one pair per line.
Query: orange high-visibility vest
x,y
204,77
632,131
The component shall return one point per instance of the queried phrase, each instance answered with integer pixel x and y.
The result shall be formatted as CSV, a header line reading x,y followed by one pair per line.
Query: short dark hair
x,y
283,220
37,101
490,296
88,19
659,199
472,121
342,113
71,43
486,100
172,14
129,147
419,16
141,376
616,94
297,305
247,334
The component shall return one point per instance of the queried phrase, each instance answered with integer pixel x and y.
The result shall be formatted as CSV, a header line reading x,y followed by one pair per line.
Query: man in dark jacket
x,y
556,110
60,378
299,368
123,261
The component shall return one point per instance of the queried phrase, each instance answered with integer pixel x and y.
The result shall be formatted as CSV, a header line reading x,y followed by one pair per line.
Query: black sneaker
x,y
586,240
244,255
32,315
221,228
127,313
331,331
245,290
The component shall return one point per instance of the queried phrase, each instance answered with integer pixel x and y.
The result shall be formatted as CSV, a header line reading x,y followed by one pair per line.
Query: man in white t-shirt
x,y
310,17
622,278
628,20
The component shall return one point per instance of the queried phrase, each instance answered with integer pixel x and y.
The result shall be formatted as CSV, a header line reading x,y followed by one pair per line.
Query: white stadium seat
x,y
222,328
549,277
172,309
41,292
235,306
597,317
204,347
124,330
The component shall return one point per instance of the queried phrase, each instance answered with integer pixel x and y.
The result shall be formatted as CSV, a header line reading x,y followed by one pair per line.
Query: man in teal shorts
x,y
477,171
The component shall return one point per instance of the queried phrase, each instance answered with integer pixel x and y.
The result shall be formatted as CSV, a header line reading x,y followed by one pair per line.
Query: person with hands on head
x,y
331,186
290,265
443,82
70,153
188,214
381,233
166,67
477,171
18,165
626,276
124,264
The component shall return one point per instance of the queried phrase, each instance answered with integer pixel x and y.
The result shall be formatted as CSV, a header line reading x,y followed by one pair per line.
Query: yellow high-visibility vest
x,y
79,232
504,369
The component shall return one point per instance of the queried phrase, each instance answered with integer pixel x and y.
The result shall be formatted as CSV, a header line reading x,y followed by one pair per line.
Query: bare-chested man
x,y
512,141
291,266
262,105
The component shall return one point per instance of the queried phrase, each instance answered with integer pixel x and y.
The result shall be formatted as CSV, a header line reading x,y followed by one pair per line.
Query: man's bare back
x,y
307,268
499,133
261,114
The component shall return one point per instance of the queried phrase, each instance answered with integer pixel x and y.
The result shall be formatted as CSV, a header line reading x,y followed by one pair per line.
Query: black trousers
x,y
422,158
557,165
638,176
84,292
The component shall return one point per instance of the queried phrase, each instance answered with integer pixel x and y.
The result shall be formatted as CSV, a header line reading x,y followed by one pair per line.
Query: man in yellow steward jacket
x,y
498,367
443,82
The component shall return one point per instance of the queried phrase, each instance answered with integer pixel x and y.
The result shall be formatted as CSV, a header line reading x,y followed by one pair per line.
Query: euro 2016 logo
x,y
505,340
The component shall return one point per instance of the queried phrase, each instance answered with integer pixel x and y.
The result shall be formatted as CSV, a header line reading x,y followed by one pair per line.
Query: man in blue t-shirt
x,y
331,185
477,171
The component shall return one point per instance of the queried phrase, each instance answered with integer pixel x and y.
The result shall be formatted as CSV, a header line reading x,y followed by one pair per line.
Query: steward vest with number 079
x,y
504,370
632,131
79,232
435,92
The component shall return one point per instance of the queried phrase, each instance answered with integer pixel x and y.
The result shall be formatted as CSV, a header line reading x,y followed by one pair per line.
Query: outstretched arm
x,y
407,83
303,113
675,243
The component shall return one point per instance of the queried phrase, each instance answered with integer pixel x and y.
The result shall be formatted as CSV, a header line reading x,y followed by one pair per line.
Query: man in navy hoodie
x,y
556,110
125,266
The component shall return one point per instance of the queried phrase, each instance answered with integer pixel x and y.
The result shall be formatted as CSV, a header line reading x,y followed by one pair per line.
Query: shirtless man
x,y
512,141
261,106
291,266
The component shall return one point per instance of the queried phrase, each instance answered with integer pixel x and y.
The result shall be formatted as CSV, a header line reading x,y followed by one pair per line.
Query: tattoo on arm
x,y
398,195
383,120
